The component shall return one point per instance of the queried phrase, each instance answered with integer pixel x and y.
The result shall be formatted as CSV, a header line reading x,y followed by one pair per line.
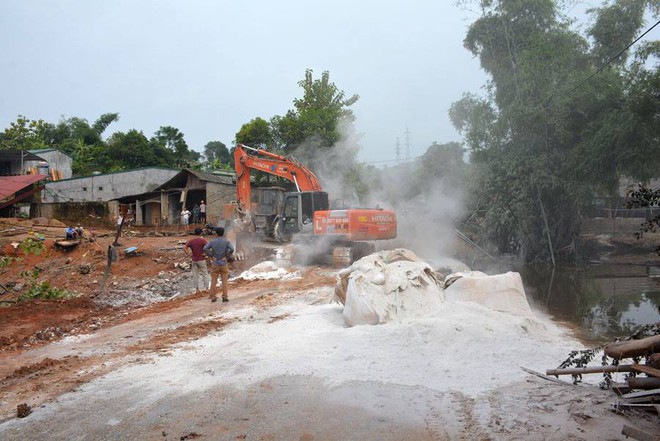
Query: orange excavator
x,y
306,212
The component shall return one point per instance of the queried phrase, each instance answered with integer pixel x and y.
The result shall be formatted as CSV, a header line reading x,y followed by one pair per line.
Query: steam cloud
x,y
427,210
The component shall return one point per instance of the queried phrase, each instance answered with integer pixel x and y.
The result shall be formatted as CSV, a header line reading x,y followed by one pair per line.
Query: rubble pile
x,y
167,285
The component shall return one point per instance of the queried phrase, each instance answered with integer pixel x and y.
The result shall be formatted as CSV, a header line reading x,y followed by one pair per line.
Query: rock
x,y
23,410
85,268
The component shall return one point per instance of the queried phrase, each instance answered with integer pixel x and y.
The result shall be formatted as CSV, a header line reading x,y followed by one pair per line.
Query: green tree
x,y
540,145
172,140
256,133
24,134
315,120
133,150
216,151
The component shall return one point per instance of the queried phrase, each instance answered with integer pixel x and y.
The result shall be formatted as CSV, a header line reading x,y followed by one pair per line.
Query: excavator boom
x,y
268,162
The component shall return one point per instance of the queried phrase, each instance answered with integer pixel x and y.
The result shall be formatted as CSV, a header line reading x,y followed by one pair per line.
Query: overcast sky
x,y
207,67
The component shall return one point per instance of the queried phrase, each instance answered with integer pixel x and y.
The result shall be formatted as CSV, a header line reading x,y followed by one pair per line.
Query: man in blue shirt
x,y
219,249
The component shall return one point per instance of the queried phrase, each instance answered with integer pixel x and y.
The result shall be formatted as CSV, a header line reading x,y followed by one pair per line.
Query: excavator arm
x,y
268,162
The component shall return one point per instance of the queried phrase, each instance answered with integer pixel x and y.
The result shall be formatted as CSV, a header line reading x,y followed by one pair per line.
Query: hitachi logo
x,y
382,218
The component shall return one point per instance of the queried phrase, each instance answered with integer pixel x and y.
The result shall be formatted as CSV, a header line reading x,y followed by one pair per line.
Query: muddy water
x,y
602,302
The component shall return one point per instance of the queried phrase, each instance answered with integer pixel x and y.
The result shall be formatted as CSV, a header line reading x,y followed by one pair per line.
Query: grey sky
x,y
207,67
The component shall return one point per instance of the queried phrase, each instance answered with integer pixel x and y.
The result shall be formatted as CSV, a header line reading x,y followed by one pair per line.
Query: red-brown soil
x,y
29,324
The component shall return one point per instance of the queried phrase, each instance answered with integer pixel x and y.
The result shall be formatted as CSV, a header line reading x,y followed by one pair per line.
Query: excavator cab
x,y
298,213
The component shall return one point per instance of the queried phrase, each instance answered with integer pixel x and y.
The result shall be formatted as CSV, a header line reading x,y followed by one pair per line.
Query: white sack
x,y
501,292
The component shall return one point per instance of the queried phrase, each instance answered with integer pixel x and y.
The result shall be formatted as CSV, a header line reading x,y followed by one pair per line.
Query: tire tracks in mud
x,y
464,424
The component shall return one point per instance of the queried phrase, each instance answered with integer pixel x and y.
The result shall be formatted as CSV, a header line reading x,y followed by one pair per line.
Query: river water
x,y
601,302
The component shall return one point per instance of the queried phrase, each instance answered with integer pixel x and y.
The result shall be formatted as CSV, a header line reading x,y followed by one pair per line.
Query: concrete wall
x,y
217,196
105,187
56,161
96,214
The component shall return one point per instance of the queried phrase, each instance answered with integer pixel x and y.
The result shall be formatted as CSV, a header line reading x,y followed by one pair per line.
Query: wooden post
x,y
590,370
633,348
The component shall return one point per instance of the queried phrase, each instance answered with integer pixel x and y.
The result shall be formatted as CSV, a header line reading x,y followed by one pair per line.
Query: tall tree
x,y
24,134
256,133
216,150
541,146
316,118
133,150
172,139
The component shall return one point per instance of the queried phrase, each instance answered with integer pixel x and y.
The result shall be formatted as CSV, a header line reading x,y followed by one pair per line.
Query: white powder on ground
x,y
463,346
269,270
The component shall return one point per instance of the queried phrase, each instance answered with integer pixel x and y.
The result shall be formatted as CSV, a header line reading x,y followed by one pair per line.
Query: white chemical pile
x,y
269,270
395,285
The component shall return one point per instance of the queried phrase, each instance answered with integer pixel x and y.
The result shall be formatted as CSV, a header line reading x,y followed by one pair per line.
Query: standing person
x,y
195,214
185,215
219,249
120,219
195,249
202,213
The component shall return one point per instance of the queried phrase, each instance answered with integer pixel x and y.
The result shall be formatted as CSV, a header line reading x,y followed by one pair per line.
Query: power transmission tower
x,y
397,150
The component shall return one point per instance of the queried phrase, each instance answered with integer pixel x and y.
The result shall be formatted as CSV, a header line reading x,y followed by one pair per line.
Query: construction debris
x,y
637,393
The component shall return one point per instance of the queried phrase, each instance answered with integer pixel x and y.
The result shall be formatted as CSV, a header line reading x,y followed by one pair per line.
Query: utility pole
x,y
407,143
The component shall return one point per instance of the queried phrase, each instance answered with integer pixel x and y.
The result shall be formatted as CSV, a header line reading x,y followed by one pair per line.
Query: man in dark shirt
x,y
219,249
195,248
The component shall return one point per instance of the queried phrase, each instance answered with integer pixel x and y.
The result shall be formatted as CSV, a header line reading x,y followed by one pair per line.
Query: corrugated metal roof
x,y
15,155
11,184
203,176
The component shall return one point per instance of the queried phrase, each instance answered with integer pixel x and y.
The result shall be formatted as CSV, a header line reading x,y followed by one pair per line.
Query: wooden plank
x,y
643,393
630,406
646,369
637,434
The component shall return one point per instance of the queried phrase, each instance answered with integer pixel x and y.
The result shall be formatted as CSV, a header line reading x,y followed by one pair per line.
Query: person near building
x,y
202,213
185,217
71,233
219,250
195,214
195,249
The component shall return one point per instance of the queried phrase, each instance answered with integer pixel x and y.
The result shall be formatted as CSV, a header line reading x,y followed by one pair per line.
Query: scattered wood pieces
x,y
637,434
644,396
